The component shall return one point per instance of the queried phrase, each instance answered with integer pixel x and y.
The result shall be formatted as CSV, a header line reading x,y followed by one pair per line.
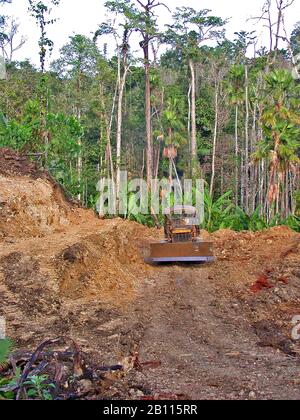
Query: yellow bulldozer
x,y
182,242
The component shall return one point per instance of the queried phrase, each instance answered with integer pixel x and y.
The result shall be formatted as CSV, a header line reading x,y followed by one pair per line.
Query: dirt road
x,y
208,345
214,337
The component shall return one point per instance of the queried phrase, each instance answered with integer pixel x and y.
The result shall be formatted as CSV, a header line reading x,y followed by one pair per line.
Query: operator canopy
x,y
181,210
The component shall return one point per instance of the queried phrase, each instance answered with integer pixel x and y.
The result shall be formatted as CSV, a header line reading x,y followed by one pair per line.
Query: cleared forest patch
x,y
211,330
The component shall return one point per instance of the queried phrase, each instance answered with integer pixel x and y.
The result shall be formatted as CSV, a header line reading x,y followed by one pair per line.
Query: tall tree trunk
x,y
143,165
242,178
237,155
79,141
279,22
247,141
286,191
262,186
79,167
119,133
194,154
213,172
149,159
253,169
222,175
270,23
158,153
262,166
189,127
109,123
170,171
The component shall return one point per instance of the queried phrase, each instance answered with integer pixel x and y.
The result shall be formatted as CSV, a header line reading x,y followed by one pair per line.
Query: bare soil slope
x,y
220,331
32,204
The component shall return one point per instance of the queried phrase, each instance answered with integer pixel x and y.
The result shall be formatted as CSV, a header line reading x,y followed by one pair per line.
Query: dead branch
x,y
77,361
164,5
31,362
288,4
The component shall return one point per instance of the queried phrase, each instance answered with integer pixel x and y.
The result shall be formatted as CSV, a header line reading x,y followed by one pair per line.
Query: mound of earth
x,y
13,163
32,204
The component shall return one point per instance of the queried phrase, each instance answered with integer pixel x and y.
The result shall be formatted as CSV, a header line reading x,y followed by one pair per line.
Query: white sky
x,y
83,16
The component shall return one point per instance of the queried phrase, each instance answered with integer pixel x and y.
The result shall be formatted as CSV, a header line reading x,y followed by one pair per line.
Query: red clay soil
x,y
217,331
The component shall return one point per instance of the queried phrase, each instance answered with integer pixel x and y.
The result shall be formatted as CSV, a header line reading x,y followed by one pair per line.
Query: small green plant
x,y
6,395
293,222
5,348
38,386
9,383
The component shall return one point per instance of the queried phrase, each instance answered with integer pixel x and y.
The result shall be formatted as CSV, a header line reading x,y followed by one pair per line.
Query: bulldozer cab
x,y
182,241
181,224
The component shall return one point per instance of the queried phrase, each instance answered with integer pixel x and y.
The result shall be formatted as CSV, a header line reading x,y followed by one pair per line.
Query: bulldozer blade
x,y
199,251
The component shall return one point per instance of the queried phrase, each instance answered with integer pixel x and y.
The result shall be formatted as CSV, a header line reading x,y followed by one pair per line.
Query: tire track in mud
x,y
206,341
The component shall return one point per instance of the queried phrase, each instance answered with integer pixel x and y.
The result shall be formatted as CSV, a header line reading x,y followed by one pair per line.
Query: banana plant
x,y
216,212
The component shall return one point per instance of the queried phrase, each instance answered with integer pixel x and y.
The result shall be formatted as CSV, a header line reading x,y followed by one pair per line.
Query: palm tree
x,y
175,130
281,128
236,96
